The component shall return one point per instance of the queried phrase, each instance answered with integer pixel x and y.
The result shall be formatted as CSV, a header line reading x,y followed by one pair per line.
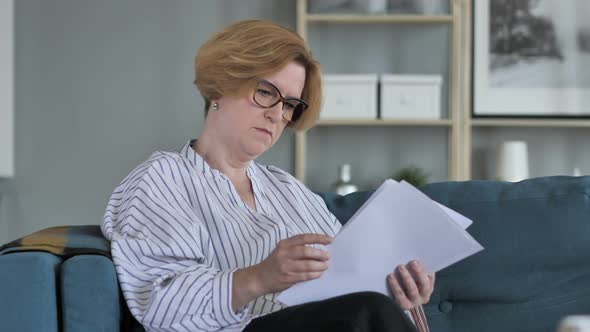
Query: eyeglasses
x,y
268,95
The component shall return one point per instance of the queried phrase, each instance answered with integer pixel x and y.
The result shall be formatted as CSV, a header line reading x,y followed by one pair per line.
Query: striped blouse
x,y
179,229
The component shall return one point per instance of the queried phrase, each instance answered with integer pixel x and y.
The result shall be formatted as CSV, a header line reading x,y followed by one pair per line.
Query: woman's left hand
x,y
411,285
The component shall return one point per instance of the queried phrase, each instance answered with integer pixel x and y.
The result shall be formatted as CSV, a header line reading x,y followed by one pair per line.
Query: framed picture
x,y
531,58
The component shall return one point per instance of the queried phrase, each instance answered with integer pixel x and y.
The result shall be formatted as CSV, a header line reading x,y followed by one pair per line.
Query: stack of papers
x,y
397,224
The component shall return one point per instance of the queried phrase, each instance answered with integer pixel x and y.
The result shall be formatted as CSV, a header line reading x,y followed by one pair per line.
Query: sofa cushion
x,y
89,294
28,288
535,268
343,207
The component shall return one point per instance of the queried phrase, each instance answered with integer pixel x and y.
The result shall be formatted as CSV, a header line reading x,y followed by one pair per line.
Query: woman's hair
x,y
232,62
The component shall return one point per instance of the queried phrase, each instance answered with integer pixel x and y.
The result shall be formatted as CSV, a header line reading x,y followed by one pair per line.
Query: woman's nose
x,y
275,113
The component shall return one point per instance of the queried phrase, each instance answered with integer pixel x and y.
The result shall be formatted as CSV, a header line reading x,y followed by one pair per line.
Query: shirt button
x,y
445,307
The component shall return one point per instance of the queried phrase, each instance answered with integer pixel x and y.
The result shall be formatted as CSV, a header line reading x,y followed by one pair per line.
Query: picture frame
x,y
531,59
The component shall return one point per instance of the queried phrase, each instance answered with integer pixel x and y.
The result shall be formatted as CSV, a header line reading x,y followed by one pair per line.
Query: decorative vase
x,y
343,185
512,161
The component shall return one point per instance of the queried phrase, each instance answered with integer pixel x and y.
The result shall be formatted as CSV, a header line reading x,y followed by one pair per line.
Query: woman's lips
x,y
266,131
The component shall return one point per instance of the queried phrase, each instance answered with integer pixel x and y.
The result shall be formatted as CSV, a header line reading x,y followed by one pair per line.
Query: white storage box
x,y
410,96
349,96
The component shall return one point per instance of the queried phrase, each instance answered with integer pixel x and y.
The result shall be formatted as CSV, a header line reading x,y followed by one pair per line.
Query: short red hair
x,y
233,60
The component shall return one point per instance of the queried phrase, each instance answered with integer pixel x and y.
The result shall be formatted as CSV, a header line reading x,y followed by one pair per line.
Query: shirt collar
x,y
204,168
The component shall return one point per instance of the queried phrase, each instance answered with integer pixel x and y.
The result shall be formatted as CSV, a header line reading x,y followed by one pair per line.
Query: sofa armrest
x,y
90,297
29,299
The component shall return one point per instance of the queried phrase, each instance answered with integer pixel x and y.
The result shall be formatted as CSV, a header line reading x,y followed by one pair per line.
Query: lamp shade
x,y
512,161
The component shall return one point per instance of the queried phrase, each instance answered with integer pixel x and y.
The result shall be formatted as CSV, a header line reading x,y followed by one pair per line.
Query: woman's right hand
x,y
292,261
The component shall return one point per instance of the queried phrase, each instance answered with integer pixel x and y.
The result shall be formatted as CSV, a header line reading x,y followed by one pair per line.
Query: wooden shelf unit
x,y
388,122
531,123
457,52
367,19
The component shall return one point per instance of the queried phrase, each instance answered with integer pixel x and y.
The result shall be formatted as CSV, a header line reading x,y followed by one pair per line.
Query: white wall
x,y
6,88
100,85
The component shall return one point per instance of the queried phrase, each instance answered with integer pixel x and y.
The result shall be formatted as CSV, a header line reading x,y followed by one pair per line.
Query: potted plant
x,y
411,174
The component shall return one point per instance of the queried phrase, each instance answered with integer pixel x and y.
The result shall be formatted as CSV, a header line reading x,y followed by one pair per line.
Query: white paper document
x,y
460,219
398,223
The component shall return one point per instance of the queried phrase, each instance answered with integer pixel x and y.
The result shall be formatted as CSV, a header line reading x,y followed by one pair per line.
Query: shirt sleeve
x,y
163,258
312,202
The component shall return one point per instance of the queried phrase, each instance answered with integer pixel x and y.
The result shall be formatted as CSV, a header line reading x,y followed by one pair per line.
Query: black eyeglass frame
x,y
297,112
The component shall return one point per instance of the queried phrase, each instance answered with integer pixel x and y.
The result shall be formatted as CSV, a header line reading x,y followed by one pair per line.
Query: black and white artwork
x,y
532,58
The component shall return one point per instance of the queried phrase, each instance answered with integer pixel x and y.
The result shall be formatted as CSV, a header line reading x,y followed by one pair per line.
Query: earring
x,y
215,106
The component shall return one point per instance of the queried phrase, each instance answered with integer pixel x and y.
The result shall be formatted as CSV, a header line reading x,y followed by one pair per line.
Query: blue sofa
x,y
535,268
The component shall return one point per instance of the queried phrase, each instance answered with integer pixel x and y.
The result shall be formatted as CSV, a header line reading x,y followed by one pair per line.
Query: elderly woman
x,y
205,239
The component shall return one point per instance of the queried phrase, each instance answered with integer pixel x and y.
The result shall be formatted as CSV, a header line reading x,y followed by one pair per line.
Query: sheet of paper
x,y
398,223
460,219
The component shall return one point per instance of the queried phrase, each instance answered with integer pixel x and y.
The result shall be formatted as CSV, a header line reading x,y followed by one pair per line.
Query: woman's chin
x,y
255,149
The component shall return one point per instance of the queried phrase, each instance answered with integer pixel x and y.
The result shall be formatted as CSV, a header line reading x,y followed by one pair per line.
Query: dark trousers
x,y
357,312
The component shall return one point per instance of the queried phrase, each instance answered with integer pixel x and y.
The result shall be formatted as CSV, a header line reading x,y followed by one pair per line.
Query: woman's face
x,y
249,129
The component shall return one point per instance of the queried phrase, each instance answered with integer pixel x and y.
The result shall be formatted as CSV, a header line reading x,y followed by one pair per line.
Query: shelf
x,y
557,123
387,18
456,23
387,122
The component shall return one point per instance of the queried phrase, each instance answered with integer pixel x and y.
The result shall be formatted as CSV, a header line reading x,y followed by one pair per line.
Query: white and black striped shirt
x,y
178,230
